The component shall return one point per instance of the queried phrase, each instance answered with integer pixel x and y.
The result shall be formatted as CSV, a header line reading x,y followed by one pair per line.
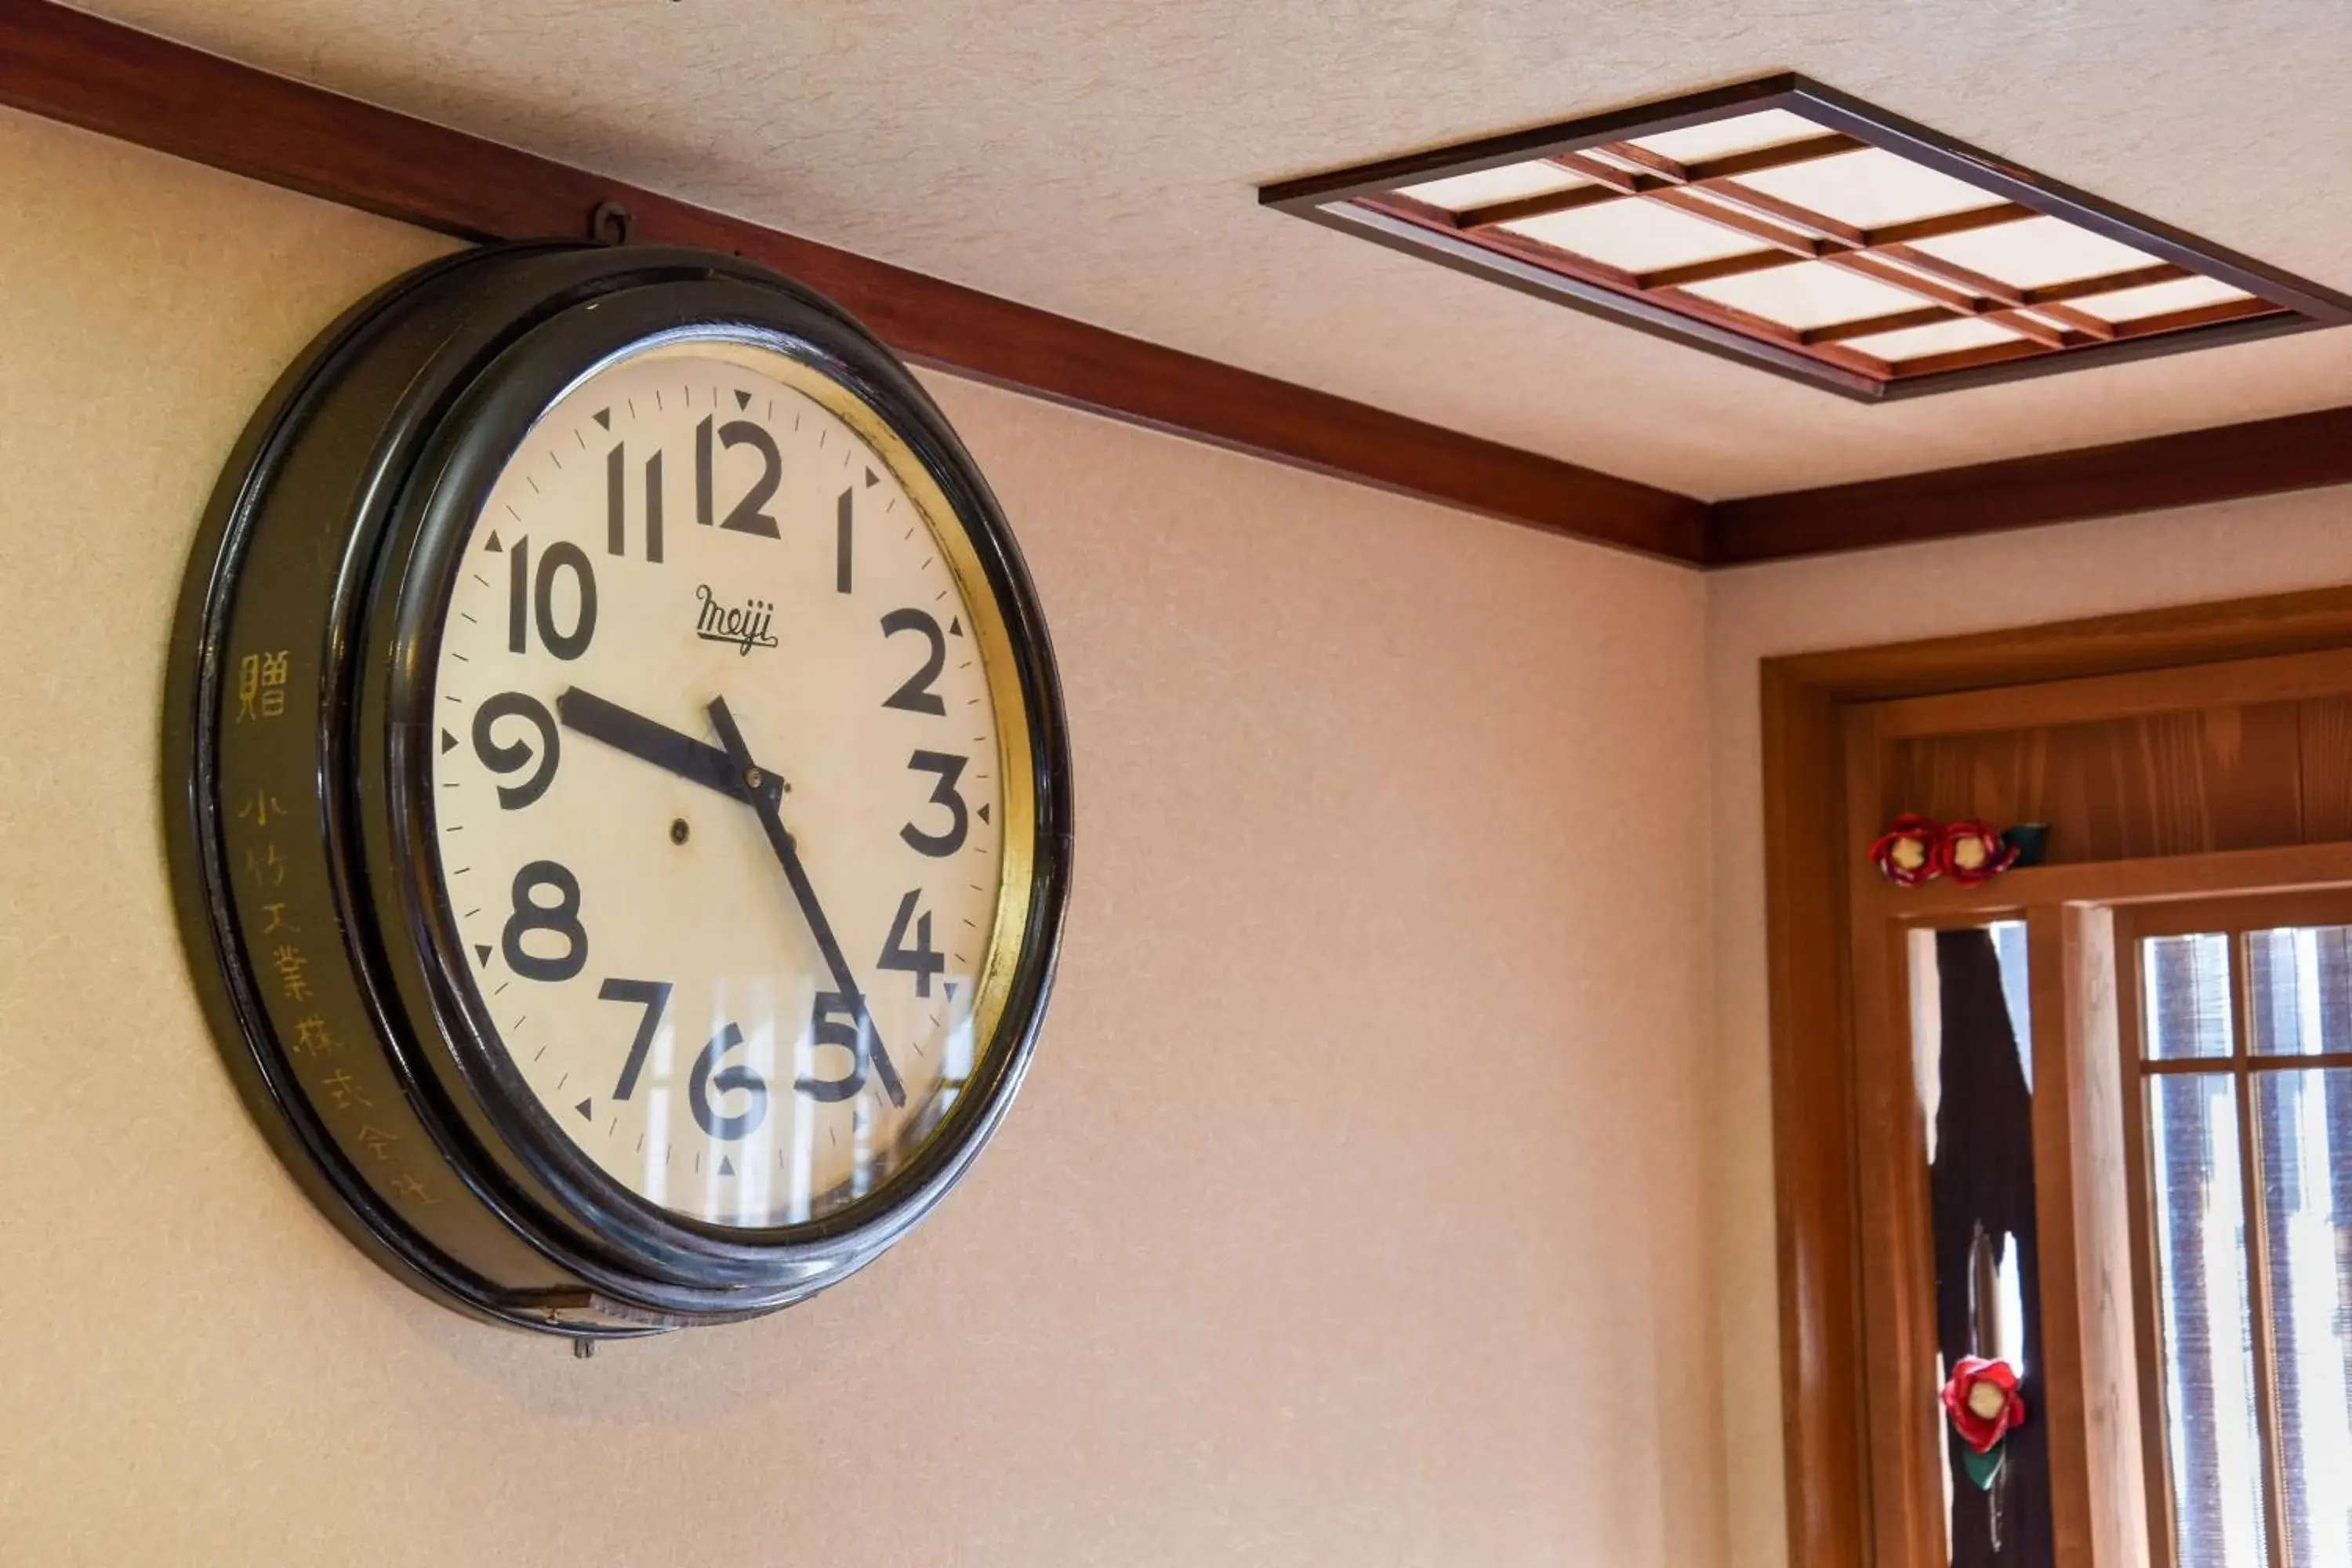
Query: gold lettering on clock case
x,y
262,679
409,1187
261,686
313,1038
344,1092
260,808
293,971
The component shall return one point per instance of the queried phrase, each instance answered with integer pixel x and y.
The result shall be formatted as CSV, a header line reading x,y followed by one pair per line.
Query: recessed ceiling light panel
x,y
1803,231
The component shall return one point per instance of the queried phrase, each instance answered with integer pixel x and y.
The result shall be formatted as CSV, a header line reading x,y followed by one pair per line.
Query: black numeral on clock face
x,y
515,757
917,696
943,793
710,1081
524,594
841,543
748,517
843,1021
922,961
616,504
653,995
562,917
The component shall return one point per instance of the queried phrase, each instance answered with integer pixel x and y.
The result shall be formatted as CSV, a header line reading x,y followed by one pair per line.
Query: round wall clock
x,y
618,789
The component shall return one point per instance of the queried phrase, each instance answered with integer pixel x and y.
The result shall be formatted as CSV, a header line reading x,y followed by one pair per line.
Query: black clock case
x,y
338,522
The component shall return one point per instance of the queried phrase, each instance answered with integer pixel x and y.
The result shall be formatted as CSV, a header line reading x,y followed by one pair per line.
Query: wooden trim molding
x,y
114,80
2230,462
1815,1189
105,77
1811,905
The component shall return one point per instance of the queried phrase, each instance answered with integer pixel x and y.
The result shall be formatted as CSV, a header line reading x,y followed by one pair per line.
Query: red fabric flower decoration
x,y
1973,852
1983,1401
1907,853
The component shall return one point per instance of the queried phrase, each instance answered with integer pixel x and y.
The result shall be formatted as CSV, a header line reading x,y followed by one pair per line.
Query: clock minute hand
x,y
646,741
739,756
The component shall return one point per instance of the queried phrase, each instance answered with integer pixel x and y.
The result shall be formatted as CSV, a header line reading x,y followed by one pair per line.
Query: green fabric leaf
x,y
1983,1468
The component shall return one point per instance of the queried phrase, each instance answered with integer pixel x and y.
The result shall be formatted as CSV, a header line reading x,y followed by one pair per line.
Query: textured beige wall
x,y
2263,546
1354,1213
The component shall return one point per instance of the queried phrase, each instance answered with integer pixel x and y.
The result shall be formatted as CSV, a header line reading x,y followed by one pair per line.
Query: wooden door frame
x,y
1808,867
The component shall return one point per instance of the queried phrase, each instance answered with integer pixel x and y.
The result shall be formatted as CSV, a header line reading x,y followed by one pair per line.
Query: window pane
x,y
2009,942
2306,1169
2187,995
2302,982
2212,1436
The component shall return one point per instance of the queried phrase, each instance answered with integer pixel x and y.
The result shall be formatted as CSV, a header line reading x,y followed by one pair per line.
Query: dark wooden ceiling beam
x,y
1979,355
2029,326
1871,326
2107,283
2075,320
68,66
1965,221
1518,209
1960,301
1624,181
1641,157
2196,468
1780,236
1719,267
1952,272
2221,310
1778,155
1819,224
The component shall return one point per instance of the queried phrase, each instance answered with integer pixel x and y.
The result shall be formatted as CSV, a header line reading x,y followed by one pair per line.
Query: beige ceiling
x,y
1100,158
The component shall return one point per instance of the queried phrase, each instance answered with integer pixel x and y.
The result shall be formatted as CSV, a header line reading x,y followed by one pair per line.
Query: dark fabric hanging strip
x,y
1983,1177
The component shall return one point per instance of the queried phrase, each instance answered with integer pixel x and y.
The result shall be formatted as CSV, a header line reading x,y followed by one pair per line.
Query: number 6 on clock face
x,y
799,1007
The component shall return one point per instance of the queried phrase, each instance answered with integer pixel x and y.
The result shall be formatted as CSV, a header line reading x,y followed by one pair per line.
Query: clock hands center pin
x,y
698,762
764,802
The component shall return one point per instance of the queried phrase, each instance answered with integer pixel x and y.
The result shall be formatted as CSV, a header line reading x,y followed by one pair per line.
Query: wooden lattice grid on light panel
x,y
1785,224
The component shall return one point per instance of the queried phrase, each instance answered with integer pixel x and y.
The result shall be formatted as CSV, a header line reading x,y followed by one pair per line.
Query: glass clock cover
x,y
719,787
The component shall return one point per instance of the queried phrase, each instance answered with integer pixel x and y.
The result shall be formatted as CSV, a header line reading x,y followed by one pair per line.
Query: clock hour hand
x,y
738,757
643,739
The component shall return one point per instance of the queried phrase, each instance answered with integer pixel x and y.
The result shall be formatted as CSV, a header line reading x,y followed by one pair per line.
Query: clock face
x,y
721,783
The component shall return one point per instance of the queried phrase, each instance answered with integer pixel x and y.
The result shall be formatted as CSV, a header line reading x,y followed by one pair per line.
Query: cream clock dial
x,y
685,541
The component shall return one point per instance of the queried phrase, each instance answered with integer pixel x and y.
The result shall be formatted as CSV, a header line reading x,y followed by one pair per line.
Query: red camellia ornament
x,y
1973,852
1982,1400
1909,851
